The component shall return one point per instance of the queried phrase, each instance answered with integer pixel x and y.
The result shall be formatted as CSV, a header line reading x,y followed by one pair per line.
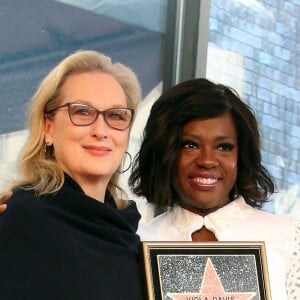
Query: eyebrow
x,y
218,138
79,101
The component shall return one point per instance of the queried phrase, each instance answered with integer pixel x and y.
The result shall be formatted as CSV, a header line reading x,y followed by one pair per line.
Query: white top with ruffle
x,y
238,221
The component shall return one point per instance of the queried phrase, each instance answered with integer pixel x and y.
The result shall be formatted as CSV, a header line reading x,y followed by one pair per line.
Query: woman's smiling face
x,y
207,164
94,151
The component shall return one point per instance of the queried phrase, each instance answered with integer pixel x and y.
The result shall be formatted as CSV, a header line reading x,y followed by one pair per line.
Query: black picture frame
x,y
206,271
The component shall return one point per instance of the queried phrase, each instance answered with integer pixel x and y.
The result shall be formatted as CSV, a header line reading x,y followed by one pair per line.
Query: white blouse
x,y
238,221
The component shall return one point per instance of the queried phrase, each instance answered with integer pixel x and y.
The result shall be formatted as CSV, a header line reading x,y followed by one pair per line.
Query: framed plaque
x,y
206,271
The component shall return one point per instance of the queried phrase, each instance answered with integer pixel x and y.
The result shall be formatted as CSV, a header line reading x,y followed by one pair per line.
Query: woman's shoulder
x,y
239,209
23,209
275,218
267,225
21,196
131,214
24,203
160,225
163,218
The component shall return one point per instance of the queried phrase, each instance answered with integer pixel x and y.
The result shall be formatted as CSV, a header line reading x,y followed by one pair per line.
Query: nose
x,y
206,158
99,128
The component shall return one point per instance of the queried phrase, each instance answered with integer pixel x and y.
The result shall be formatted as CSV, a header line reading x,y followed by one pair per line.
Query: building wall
x,y
254,46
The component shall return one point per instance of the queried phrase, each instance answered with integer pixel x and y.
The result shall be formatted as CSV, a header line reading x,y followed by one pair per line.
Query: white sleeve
x,y
293,275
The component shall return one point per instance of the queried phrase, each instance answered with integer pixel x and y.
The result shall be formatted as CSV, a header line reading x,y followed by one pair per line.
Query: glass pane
x,y
254,47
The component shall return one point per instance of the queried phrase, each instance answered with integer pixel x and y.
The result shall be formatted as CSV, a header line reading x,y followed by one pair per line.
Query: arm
x,y
293,279
3,199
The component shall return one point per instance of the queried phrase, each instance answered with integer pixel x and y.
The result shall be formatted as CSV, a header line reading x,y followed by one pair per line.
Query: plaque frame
x,y
153,251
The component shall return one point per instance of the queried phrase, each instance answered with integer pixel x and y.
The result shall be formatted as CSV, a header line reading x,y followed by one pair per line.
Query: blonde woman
x,y
67,234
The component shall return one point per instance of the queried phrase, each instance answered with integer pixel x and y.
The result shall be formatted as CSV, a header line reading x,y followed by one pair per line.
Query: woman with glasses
x,y
69,232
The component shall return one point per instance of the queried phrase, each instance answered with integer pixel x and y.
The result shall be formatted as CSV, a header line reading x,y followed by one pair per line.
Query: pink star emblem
x,y
212,289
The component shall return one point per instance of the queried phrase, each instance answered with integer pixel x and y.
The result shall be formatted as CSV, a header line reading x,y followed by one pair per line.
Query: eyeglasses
x,y
83,115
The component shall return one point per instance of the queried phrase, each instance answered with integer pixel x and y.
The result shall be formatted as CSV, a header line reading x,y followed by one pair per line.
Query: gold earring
x,y
46,146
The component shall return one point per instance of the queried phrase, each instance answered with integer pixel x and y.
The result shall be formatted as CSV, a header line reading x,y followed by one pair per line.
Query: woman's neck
x,y
203,235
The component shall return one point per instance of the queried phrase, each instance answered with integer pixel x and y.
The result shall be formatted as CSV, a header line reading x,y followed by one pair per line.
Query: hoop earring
x,y
130,163
47,145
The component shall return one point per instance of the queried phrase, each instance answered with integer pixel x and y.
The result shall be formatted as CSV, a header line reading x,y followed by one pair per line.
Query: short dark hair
x,y
155,163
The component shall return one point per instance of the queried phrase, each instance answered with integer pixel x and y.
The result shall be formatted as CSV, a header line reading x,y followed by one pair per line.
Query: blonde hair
x,y
37,167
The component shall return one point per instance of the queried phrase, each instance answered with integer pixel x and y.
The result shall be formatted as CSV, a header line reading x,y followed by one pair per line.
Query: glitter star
x,y
212,289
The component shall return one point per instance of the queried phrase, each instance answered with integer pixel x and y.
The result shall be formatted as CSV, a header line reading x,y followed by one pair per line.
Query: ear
x,y
48,129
